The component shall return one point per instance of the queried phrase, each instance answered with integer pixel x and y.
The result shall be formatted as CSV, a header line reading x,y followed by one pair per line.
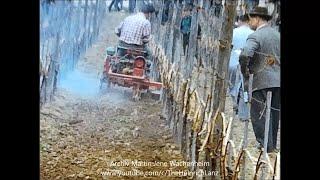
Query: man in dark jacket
x,y
261,57
185,27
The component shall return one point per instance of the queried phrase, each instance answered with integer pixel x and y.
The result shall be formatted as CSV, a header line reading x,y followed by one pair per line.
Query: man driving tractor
x,y
134,31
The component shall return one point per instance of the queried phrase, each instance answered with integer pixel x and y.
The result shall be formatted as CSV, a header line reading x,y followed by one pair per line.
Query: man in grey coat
x,y
261,57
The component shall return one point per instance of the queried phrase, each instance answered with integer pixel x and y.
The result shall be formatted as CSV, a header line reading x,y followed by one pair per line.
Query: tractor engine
x,y
129,63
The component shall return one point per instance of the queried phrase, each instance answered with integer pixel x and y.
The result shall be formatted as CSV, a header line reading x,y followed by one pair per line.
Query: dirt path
x,y
82,136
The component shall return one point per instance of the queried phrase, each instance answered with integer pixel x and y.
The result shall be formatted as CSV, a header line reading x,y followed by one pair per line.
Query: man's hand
x,y
244,62
146,39
118,29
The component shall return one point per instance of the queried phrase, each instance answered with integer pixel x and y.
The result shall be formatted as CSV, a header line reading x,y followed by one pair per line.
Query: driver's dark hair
x,y
147,8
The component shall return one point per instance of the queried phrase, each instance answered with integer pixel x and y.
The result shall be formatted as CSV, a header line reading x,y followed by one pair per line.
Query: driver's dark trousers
x,y
144,47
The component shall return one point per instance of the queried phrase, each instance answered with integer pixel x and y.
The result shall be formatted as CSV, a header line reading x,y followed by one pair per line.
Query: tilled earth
x,y
81,137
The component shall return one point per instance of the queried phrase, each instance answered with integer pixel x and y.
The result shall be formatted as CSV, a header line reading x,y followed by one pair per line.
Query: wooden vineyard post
x,y
246,127
266,135
232,124
204,65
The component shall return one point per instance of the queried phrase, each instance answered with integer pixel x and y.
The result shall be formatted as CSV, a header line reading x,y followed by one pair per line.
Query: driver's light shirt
x,y
135,29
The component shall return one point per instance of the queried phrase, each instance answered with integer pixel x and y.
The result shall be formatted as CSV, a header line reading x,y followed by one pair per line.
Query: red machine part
x,y
129,81
137,72
139,64
134,80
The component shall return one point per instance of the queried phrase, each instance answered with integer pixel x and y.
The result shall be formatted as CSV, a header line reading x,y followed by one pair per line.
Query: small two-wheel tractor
x,y
131,70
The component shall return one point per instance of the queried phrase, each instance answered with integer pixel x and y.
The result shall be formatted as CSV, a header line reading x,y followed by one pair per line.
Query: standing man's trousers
x,y
132,5
258,106
115,3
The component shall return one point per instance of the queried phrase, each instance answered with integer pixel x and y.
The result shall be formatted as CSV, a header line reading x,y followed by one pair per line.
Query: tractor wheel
x,y
136,94
101,83
104,83
108,84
